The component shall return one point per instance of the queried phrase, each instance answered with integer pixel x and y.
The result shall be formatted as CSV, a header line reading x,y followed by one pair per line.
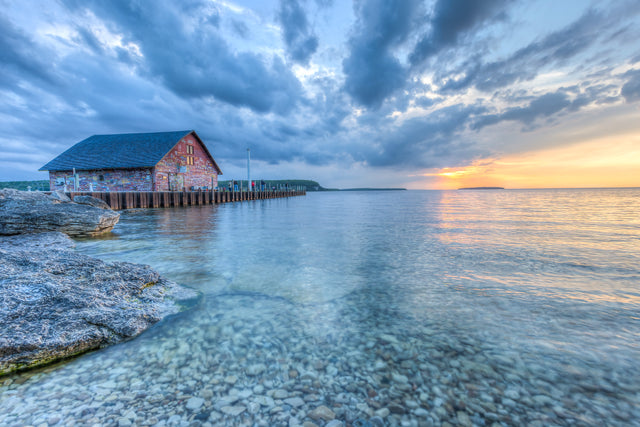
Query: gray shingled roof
x,y
119,151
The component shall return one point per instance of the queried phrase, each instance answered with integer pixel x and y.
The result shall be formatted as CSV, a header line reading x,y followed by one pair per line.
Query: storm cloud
x,y
16,56
426,142
527,62
373,71
544,106
380,85
300,41
451,21
193,60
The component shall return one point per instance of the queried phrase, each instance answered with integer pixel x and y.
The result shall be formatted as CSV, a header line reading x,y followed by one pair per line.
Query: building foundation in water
x,y
166,199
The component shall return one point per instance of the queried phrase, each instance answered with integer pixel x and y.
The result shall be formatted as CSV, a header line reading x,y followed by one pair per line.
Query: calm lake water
x,y
517,307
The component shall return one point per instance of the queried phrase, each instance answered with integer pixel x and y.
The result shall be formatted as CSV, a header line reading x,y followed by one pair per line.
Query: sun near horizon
x,y
605,162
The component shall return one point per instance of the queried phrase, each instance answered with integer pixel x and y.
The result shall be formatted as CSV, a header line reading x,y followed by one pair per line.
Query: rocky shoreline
x,y
24,212
251,362
56,303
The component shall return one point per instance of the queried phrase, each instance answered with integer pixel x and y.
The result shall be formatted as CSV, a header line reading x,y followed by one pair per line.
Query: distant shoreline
x,y
481,188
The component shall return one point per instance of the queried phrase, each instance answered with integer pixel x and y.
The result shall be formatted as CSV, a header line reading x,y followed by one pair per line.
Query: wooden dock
x,y
166,199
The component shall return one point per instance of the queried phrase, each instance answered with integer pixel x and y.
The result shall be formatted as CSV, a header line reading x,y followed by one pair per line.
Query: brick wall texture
x,y
186,167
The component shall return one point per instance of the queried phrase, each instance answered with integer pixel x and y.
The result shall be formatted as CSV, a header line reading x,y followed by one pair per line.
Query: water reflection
x,y
400,308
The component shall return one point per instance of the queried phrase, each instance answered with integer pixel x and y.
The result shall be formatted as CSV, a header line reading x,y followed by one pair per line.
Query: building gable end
x,y
200,144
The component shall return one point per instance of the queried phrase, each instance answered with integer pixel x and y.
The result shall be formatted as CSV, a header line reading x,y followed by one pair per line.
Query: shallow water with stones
x,y
370,308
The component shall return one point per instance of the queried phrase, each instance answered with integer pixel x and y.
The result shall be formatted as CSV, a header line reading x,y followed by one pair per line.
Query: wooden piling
x,y
166,199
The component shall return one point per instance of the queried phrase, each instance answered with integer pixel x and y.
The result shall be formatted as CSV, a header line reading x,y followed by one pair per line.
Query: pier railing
x,y
165,199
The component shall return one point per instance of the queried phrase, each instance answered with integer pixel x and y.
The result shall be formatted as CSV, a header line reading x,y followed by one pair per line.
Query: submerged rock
x,y
55,302
35,212
322,413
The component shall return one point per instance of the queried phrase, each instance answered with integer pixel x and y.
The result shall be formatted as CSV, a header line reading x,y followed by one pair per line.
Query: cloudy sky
x,y
408,93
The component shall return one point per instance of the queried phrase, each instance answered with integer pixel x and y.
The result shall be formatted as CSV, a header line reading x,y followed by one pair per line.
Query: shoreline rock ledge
x,y
35,212
56,303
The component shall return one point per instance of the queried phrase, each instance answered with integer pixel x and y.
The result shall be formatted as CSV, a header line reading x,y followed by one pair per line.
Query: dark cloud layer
x,y
240,28
415,85
631,89
197,62
550,106
427,142
373,71
16,57
527,62
450,21
544,106
300,41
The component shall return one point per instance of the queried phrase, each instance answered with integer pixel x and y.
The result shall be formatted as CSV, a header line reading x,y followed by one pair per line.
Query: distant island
x,y
481,188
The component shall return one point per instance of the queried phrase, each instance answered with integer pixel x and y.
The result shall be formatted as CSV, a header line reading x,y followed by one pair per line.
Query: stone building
x,y
160,161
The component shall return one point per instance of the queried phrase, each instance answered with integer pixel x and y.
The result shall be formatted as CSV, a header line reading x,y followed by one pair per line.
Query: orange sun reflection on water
x,y
569,251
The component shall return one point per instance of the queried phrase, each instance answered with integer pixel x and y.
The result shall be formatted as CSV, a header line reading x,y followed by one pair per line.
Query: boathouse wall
x,y
186,167
103,180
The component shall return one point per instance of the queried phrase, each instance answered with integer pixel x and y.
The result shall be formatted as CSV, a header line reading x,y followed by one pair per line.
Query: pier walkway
x,y
165,199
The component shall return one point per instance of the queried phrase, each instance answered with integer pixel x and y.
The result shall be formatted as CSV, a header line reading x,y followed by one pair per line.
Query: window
x,y
189,149
189,160
100,177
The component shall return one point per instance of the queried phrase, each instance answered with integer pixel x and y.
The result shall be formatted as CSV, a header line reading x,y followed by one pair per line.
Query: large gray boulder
x,y
91,201
35,212
56,302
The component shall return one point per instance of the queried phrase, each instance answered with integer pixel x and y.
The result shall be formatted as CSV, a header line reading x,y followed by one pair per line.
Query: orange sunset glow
x,y
599,163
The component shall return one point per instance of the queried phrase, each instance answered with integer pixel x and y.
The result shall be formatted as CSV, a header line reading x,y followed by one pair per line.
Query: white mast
x,y
248,170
